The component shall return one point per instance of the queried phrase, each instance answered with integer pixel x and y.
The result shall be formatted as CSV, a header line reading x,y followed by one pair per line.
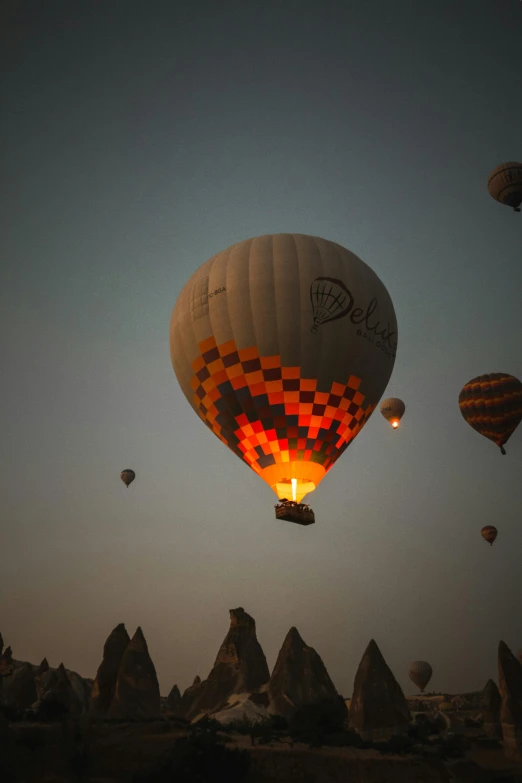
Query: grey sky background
x,y
140,138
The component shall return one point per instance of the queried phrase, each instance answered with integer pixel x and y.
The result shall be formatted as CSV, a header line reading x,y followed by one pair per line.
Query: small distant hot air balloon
x,y
127,476
393,410
420,673
489,534
505,184
492,405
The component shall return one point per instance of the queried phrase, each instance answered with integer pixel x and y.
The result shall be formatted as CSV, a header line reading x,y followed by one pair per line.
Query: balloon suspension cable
x,y
502,450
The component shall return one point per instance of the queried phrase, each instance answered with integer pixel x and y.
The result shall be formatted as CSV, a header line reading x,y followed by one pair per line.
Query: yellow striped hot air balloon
x,y
505,184
489,534
492,405
283,345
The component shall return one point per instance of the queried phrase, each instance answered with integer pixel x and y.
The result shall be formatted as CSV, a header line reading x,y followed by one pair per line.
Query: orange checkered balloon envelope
x,y
492,405
284,345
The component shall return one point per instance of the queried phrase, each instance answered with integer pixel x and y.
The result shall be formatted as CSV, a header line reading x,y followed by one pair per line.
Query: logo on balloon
x,y
331,300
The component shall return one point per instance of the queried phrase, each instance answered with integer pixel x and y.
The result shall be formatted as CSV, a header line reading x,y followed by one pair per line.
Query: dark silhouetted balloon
x,y
420,673
492,405
127,476
283,345
393,410
505,184
489,534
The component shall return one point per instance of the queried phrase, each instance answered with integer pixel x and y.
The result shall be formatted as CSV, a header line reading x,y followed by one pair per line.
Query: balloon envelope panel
x,y
283,345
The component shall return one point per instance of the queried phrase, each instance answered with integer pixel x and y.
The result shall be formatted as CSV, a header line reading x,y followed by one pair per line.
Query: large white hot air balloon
x,y
283,345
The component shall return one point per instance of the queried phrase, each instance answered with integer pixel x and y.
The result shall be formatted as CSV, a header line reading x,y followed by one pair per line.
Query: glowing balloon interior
x,y
283,345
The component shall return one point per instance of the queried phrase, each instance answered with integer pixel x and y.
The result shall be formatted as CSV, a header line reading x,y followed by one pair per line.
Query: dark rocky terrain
x,y
58,727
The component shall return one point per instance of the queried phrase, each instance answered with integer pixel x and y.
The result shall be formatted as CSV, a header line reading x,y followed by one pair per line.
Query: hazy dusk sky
x,y
139,139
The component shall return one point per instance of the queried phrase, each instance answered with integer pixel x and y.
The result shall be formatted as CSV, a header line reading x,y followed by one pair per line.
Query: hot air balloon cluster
x,y
283,345
492,406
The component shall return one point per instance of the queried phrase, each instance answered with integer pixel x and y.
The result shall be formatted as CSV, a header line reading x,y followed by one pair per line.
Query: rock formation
x,y
6,669
299,677
190,696
57,699
40,673
21,693
510,687
24,685
244,707
173,702
6,662
137,695
66,689
104,686
240,667
4,740
490,704
378,709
